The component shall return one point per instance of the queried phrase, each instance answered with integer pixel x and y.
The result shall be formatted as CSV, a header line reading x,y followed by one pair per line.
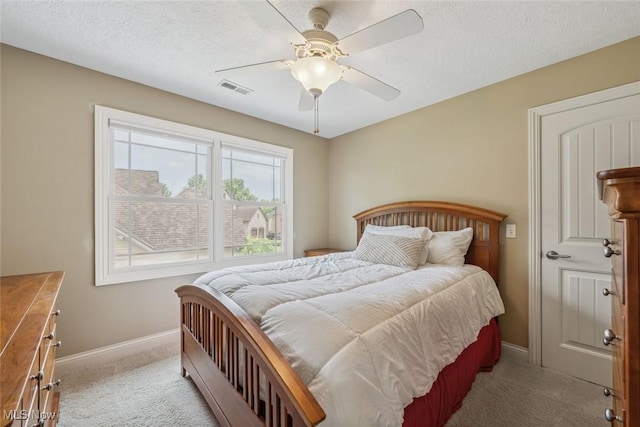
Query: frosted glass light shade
x,y
316,73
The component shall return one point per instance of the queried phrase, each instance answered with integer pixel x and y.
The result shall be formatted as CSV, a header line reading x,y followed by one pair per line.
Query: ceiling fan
x,y
317,53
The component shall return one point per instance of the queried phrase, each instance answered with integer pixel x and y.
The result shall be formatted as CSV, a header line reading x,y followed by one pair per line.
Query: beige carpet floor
x,y
147,390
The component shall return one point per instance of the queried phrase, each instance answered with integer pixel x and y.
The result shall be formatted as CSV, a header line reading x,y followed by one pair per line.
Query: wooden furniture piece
x,y
28,395
214,328
621,193
322,251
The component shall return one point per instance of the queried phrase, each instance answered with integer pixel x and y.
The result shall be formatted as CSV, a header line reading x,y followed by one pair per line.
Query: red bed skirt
x,y
454,382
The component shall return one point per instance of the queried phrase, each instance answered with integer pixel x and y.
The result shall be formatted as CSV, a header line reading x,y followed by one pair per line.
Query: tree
x,y
266,210
165,190
197,182
237,191
259,246
234,187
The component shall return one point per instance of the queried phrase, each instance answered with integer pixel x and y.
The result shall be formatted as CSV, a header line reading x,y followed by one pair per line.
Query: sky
x,y
177,161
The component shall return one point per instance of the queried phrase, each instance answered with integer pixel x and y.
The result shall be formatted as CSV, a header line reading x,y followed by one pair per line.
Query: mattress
x,y
366,338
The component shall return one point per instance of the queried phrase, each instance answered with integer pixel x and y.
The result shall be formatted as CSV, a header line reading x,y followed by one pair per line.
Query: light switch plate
x,y
511,231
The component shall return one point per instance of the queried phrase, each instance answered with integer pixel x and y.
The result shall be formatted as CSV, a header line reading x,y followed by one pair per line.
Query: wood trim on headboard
x,y
484,250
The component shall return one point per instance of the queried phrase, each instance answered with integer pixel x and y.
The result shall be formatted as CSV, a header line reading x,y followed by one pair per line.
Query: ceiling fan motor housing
x,y
319,43
319,17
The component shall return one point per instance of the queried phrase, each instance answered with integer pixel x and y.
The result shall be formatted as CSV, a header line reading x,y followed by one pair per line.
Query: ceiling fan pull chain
x,y
316,130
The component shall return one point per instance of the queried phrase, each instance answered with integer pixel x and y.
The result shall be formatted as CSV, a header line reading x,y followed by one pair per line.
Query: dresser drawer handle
x,y
606,292
58,344
51,336
609,415
607,242
609,336
608,392
49,386
56,313
608,252
39,376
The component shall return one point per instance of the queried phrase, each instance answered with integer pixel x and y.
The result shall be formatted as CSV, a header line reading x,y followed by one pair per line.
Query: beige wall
x,y
47,190
471,149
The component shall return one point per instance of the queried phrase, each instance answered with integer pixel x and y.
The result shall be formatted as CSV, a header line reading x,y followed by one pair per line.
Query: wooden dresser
x,y
621,193
28,342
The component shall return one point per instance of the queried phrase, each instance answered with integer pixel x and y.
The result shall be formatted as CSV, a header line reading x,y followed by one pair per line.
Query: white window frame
x,y
104,160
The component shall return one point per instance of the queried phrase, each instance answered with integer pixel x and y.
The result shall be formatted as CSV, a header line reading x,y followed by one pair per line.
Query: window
x,y
173,199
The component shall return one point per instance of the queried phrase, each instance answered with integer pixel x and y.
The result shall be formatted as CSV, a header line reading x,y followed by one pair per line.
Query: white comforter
x,y
366,338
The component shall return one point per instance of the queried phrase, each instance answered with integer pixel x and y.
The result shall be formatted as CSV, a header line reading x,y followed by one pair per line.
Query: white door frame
x,y
535,253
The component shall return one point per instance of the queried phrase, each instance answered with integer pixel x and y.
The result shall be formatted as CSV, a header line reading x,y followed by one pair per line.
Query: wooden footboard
x,y
238,370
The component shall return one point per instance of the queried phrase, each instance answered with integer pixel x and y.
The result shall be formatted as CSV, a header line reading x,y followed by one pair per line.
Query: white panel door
x,y
575,144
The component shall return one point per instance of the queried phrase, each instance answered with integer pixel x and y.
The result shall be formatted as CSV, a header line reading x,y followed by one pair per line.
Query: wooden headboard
x,y
444,216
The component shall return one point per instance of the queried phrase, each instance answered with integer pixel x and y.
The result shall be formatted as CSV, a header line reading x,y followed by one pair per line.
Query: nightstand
x,y
322,251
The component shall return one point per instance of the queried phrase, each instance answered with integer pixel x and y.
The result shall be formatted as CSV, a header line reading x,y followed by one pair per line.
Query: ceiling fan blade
x,y
267,16
306,101
280,64
370,84
397,27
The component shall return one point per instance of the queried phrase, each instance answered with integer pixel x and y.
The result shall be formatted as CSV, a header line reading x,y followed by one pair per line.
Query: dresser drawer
x,y
49,385
46,385
618,260
618,353
30,411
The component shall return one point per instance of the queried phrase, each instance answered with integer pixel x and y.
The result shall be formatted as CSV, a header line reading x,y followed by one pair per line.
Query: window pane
x,y
159,172
160,166
160,232
251,230
120,135
121,155
121,241
252,176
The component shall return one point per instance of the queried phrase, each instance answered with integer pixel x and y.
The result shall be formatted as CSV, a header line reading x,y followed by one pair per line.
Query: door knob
x,y
555,255
608,252
609,415
609,336
607,242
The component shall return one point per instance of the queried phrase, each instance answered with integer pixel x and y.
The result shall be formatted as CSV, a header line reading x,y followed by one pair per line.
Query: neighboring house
x,y
157,227
274,224
253,220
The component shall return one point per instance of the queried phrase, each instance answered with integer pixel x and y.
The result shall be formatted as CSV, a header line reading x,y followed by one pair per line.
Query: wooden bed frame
x,y
225,352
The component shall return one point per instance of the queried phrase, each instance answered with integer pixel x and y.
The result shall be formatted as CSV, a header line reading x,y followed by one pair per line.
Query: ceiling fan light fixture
x,y
316,73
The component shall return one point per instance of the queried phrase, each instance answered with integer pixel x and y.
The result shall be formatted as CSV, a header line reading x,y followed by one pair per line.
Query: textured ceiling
x,y
177,45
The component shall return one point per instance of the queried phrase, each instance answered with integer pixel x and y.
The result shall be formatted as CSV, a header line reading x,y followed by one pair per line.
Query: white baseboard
x,y
172,338
119,350
515,351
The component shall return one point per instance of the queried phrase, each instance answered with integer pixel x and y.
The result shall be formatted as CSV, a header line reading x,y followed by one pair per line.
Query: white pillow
x,y
405,231
449,247
373,228
401,251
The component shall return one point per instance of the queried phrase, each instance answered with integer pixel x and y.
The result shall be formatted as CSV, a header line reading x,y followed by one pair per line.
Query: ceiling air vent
x,y
234,87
